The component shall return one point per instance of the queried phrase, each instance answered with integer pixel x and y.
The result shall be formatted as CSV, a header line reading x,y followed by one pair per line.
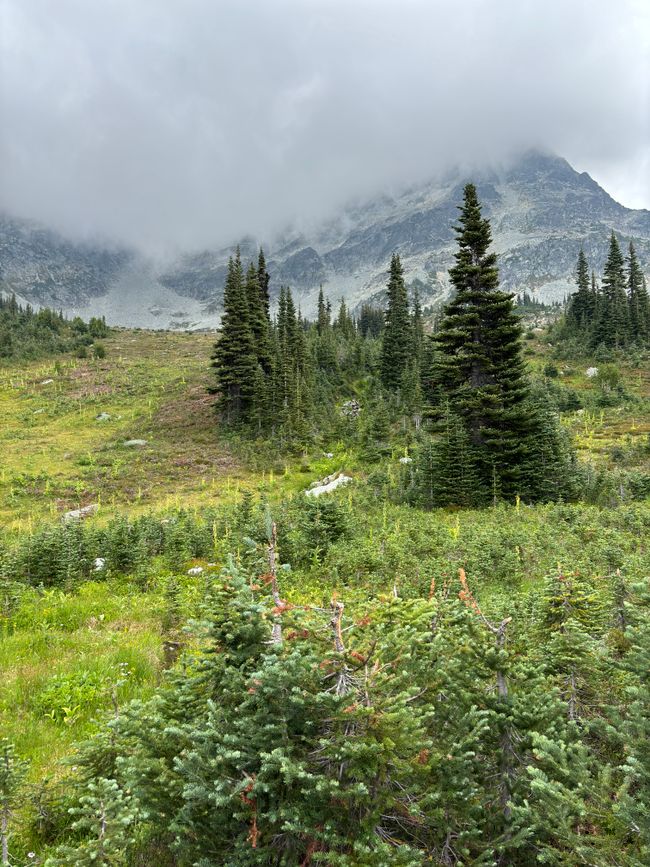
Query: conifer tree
x,y
260,324
323,320
612,326
581,309
418,327
235,357
263,279
481,368
638,301
397,346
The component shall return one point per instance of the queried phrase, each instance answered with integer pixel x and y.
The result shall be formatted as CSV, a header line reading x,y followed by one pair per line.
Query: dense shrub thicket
x,y
474,701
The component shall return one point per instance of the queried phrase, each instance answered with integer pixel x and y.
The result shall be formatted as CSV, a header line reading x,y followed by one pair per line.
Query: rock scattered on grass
x,y
135,442
103,416
79,514
327,485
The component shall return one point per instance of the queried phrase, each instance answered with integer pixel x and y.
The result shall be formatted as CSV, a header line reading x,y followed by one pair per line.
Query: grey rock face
x,y
540,208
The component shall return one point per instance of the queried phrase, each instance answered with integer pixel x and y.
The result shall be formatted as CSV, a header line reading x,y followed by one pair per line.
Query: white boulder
x,y
328,484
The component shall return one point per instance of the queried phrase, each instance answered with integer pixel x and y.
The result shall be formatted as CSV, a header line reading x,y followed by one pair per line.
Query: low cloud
x,y
173,125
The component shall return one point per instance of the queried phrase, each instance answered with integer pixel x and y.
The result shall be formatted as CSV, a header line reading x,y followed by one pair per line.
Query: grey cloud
x,y
174,124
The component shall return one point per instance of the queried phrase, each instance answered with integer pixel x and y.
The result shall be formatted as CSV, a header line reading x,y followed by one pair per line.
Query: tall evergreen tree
x,y
418,327
397,347
260,324
612,322
235,358
323,320
639,304
481,367
263,279
581,309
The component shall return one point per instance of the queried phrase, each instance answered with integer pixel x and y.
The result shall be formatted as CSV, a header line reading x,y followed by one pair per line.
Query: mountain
x,y
541,210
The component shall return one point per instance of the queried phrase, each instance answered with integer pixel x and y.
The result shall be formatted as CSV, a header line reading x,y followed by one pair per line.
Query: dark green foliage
x,y
479,370
371,321
638,301
445,471
613,317
235,354
26,334
581,309
611,325
398,340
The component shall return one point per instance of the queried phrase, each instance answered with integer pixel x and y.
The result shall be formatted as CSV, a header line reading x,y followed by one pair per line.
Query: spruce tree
x,y
481,367
581,309
263,279
638,302
612,327
235,357
260,324
397,346
418,327
323,320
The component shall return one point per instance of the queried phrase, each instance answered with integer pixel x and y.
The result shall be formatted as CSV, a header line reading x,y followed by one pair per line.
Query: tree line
x,y
613,312
27,333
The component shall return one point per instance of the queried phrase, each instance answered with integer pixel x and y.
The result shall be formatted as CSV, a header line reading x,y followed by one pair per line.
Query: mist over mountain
x,y
542,211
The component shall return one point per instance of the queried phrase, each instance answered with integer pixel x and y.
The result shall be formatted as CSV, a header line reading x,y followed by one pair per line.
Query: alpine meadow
x,y
324,435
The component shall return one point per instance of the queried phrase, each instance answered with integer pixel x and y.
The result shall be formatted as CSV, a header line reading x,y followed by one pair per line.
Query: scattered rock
x,y
591,371
103,416
195,570
135,442
351,409
99,564
406,460
38,411
79,514
47,382
328,454
328,484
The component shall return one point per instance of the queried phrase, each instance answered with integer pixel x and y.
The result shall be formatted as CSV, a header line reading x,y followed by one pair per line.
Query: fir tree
x,y
481,367
638,301
581,309
263,280
260,324
611,327
397,346
323,320
235,357
418,327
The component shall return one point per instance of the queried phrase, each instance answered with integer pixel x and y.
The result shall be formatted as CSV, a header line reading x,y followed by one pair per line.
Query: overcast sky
x,y
188,122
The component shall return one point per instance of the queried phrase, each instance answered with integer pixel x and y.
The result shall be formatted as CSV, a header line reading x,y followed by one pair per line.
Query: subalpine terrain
x,y
205,662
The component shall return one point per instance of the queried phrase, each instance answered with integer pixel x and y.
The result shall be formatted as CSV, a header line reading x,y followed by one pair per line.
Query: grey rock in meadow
x,y
80,514
136,442
195,570
103,416
590,372
327,485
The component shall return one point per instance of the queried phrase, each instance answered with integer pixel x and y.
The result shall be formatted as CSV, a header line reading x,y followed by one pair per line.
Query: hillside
x,y
79,641
541,209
